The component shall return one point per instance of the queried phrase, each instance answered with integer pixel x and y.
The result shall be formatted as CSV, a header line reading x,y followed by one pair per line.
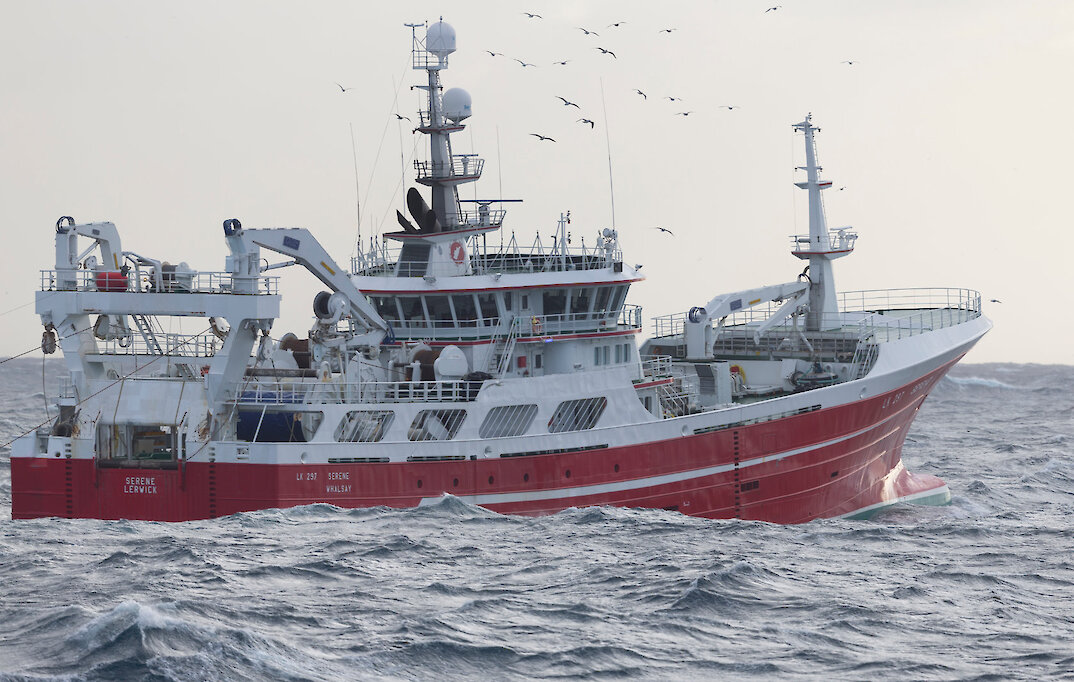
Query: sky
x,y
949,136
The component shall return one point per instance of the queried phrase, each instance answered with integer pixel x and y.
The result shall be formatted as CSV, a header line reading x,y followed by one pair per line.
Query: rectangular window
x,y
439,311
486,304
606,355
508,301
618,353
413,311
617,299
537,361
555,302
596,355
600,305
525,301
465,309
580,304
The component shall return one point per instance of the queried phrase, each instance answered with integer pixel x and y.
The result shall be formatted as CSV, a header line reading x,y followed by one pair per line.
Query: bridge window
x,y
507,420
413,311
364,426
436,425
387,307
555,302
580,299
439,311
577,415
486,303
465,309
600,304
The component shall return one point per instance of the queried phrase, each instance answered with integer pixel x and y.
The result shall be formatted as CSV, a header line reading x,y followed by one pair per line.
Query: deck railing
x,y
142,282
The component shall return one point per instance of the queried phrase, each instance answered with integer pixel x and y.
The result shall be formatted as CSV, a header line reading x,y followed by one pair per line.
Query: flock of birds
x,y
604,52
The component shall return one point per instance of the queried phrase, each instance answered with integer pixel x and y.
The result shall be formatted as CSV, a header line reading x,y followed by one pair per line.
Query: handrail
x,y
142,282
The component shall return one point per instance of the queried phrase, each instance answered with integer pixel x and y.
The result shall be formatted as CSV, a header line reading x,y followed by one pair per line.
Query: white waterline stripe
x,y
940,490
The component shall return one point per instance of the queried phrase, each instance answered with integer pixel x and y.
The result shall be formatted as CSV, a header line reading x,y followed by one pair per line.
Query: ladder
x,y
508,348
145,327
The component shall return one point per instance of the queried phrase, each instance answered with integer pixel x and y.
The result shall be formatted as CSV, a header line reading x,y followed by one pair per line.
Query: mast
x,y
820,247
444,172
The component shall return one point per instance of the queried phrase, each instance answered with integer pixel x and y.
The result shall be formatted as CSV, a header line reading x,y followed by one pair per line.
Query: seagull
x,y
586,120
531,15
995,300
664,229
683,113
400,117
641,93
524,64
542,138
562,63
343,88
841,189
728,107
587,31
568,103
667,30
851,63
616,24
674,99
494,54
772,9
603,51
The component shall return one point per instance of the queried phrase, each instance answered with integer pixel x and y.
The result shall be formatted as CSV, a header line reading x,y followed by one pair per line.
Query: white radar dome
x,y
440,39
457,105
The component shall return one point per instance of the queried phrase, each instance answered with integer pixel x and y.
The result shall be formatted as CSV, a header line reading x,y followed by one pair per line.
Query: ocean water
x,y
980,589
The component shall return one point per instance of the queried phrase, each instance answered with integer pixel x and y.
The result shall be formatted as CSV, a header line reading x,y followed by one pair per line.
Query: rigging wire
x,y
608,144
116,381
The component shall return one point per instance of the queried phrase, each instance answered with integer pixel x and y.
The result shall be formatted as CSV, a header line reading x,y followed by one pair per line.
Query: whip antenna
x,y
608,143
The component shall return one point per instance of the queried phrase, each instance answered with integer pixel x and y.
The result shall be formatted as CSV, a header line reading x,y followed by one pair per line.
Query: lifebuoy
x,y
536,324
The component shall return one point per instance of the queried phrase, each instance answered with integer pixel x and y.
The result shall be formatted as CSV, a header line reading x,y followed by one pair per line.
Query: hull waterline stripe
x,y
652,481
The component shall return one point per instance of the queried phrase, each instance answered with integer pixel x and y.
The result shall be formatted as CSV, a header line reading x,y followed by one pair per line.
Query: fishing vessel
x,y
511,377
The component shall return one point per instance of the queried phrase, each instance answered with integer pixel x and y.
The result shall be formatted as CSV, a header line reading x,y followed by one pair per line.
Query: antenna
x,y
608,143
357,190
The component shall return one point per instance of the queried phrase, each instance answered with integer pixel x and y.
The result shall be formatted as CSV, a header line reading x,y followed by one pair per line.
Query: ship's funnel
x,y
424,216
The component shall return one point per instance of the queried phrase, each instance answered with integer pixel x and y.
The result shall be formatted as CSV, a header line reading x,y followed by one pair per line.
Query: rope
x,y
38,347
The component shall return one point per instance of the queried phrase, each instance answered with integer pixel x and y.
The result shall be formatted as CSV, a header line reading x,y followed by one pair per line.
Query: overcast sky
x,y
950,133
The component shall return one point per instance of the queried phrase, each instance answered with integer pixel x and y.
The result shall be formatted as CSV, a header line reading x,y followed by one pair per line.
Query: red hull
x,y
830,462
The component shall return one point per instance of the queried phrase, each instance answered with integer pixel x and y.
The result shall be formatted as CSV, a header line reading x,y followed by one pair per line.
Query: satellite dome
x,y
457,105
440,39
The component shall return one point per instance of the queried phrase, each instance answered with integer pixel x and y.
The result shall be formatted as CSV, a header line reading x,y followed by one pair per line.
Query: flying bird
x,y
494,54
851,63
667,30
616,24
568,103
641,93
562,63
531,15
343,88
664,229
400,117
542,138
683,113
603,51
995,300
772,9
728,107
524,64
841,189
586,120
674,99
587,31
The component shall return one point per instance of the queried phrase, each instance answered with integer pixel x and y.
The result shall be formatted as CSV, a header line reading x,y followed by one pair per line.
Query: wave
x,y
983,382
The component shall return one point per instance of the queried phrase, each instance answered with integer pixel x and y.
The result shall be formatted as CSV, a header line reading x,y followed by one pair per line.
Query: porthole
x,y
616,468
525,477
491,479
568,473
419,482
455,483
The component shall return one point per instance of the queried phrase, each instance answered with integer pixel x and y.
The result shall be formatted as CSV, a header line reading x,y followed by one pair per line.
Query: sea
x,y
982,589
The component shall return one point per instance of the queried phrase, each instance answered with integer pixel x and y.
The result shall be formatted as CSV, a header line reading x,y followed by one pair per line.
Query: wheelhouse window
x,y
486,304
439,308
465,309
555,302
600,304
387,307
580,299
413,311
